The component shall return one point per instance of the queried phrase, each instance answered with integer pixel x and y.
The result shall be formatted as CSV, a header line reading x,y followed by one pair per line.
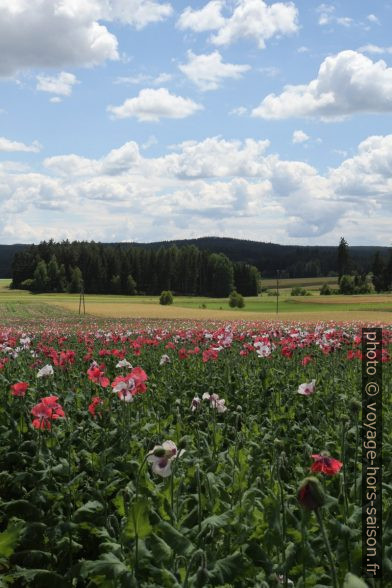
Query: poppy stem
x,y
327,547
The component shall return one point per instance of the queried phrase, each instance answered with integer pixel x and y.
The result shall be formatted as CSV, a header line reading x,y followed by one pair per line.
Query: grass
x,y
23,304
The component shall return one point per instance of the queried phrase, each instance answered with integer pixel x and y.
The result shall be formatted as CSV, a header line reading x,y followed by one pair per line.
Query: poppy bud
x,y
355,406
159,452
183,442
202,577
310,494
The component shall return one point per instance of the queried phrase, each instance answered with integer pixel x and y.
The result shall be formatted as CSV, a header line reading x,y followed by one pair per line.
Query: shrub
x,y
27,284
297,291
166,297
325,290
236,300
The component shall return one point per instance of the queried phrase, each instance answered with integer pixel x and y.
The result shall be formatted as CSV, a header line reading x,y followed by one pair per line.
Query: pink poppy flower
x,y
162,457
307,389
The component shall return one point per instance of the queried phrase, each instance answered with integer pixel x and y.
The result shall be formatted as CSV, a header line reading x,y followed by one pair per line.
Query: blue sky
x,y
140,120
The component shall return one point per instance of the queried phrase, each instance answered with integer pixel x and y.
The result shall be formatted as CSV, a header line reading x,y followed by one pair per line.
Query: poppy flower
x,y
164,359
162,457
96,375
46,411
215,401
95,401
47,370
310,494
307,389
195,403
19,389
325,464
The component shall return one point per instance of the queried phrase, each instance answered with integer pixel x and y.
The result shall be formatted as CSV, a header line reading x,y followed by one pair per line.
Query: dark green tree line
x,y
128,269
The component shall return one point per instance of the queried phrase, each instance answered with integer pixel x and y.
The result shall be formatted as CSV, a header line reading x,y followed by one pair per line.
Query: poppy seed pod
x,y
310,494
159,452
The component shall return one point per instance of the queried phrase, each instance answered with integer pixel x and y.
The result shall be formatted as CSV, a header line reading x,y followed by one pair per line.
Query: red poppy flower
x,y
95,401
325,464
310,494
46,411
19,389
96,375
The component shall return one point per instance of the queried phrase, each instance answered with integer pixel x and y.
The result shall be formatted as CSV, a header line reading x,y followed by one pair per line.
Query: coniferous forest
x,y
127,269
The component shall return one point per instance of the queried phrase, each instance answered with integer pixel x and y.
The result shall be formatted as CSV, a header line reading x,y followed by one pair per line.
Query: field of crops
x,y
179,455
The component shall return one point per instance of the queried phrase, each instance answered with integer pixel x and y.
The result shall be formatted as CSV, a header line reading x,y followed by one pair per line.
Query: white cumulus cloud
x,y
208,18
347,83
61,84
58,33
300,137
208,71
150,105
8,146
249,19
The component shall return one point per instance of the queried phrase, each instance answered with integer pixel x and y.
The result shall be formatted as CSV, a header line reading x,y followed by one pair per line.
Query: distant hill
x,y
292,260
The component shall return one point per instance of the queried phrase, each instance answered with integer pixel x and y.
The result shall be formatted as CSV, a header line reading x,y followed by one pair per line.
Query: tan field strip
x,y
343,299
156,311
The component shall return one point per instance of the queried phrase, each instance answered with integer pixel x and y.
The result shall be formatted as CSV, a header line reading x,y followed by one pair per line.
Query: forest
x,y
293,261
120,269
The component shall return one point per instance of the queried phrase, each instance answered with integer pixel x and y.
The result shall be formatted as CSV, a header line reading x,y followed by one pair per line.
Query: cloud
x,y
373,18
326,17
14,146
142,78
235,187
347,83
61,84
150,105
58,33
239,111
374,49
369,172
208,18
250,19
138,13
208,71
300,137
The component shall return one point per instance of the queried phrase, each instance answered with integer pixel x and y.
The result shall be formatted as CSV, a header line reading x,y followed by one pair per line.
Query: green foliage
x,y
41,281
356,284
325,290
166,297
131,285
84,507
344,263
27,284
236,300
221,274
76,280
298,291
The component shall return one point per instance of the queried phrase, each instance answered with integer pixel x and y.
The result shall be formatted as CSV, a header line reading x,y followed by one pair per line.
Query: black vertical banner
x,y
371,453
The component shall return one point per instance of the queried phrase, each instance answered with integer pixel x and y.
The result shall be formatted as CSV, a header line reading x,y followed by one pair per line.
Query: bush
x,y
297,291
27,284
166,297
236,300
273,293
325,290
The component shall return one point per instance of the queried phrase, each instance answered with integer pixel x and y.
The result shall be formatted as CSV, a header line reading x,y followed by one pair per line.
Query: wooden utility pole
x,y
81,299
277,291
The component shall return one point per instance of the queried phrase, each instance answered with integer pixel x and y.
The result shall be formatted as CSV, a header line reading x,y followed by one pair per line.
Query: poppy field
x,y
183,455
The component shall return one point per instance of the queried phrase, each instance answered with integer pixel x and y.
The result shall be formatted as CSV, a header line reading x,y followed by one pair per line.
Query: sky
x,y
144,120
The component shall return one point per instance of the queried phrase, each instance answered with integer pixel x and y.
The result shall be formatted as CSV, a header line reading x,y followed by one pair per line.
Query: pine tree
x,y
378,270
343,258
53,274
41,280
